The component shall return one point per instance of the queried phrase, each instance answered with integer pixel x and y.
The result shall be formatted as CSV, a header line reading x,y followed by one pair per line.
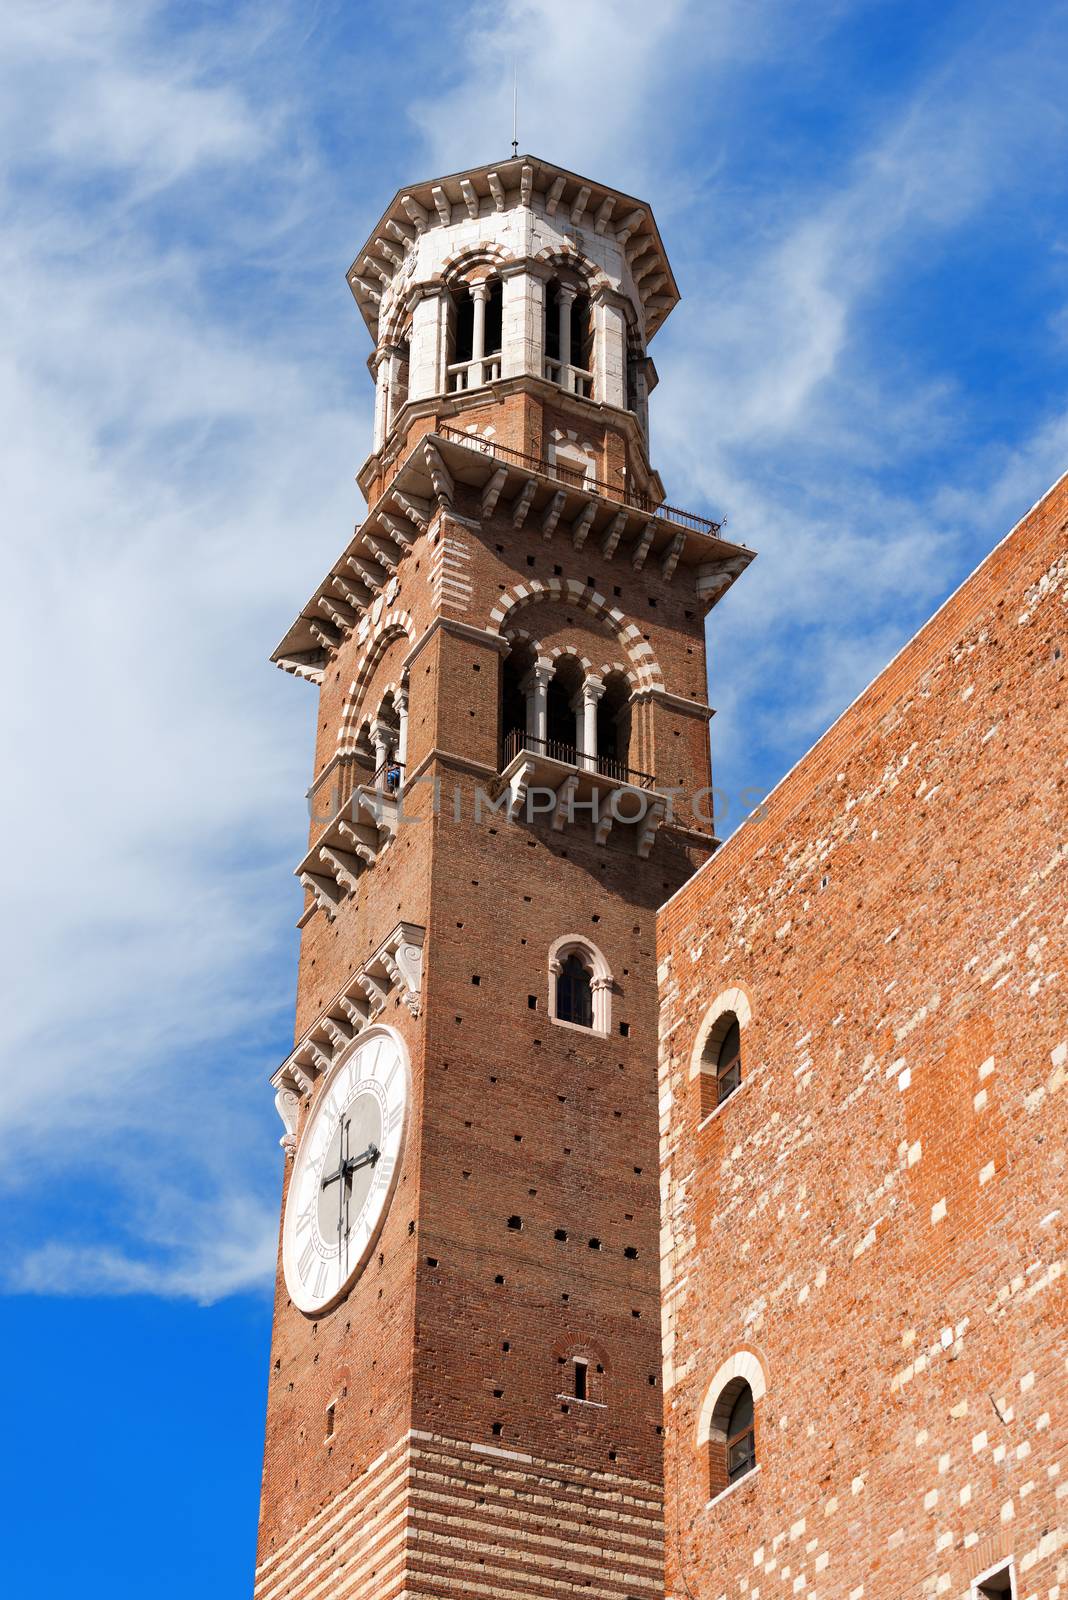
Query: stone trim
x,y
641,655
744,1364
396,964
735,999
602,983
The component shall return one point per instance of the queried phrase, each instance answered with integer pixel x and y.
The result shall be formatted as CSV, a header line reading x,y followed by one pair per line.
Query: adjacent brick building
x,y
863,1045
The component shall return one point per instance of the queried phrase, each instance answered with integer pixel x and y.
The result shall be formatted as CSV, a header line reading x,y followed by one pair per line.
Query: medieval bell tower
x,y
509,655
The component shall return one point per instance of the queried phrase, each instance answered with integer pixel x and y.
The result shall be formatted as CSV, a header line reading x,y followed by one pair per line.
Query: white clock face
x,y
344,1170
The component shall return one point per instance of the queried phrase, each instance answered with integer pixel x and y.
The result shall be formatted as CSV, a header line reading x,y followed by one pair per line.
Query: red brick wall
x,y
456,1450
876,1216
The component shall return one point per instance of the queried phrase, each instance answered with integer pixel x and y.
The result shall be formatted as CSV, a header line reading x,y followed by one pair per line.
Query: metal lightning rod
x,y
515,109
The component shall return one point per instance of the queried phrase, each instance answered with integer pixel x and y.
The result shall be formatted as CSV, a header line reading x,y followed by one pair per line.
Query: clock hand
x,y
367,1159
351,1164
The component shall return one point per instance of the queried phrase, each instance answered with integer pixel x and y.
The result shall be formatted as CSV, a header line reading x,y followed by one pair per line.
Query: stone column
x,y
592,690
536,688
382,737
382,368
479,296
565,300
400,700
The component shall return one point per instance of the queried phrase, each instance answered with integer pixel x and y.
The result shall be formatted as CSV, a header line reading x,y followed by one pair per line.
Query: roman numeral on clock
x,y
307,1256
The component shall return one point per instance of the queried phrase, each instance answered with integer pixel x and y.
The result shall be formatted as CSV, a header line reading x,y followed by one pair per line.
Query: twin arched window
x,y
580,985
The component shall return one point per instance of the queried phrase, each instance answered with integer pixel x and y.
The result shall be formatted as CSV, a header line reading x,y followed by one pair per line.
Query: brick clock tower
x,y
509,654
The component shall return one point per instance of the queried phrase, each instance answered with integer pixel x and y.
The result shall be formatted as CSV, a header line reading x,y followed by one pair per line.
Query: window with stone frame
x,y
721,1065
998,1584
580,985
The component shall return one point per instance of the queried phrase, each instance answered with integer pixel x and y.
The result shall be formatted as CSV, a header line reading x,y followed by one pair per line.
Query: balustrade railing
x,y
516,741
463,375
576,380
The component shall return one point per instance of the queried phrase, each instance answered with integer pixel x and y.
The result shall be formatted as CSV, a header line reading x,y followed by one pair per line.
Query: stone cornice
x,y
677,702
396,964
449,409
520,181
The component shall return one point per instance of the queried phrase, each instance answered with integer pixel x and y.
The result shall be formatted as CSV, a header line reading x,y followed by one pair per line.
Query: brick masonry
x,y
872,1226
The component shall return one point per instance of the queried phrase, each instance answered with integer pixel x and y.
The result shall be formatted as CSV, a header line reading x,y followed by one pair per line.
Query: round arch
x,y
746,1364
734,1001
394,625
643,662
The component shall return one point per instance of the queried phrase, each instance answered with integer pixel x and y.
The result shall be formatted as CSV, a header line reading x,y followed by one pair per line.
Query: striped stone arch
x,y
368,716
645,670
559,650
573,261
605,671
455,267
736,1001
393,625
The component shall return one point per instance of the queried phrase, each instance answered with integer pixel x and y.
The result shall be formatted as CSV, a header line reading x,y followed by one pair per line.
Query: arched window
x,y
729,1061
574,992
569,337
716,1061
727,1428
613,727
516,700
580,985
475,327
563,709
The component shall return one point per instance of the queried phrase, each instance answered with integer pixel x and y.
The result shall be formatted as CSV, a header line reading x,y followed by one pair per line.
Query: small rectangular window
x,y
581,1378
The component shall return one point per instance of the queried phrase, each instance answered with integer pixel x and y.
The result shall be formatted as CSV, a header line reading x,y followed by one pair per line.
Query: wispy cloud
x,y
157,462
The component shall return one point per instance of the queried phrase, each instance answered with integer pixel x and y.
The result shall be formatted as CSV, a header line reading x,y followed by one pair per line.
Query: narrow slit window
x,y
581,1379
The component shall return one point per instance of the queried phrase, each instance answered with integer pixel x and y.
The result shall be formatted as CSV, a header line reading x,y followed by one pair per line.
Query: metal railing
x,y
577,479
570,755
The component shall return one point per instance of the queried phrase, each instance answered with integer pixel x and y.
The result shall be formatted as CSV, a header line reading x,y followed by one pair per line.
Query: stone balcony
x,y
362,824
545,778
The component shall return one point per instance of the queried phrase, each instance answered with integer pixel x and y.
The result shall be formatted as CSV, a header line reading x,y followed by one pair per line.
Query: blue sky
x,y
865,206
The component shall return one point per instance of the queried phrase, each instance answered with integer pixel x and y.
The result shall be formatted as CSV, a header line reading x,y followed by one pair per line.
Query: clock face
x,y
344,1170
